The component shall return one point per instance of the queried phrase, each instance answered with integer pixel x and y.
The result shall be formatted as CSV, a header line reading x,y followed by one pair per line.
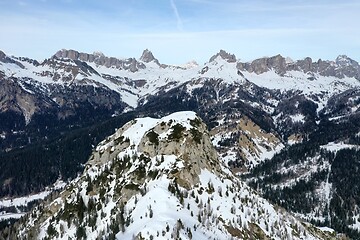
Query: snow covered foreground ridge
x,y
160,179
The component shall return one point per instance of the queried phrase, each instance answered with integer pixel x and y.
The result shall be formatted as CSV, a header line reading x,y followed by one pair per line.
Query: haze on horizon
x,y
177,31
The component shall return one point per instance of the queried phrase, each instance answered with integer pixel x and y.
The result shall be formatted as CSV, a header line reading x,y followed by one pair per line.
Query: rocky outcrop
x,y
344,61
2,55
147,56
29,60
306,65
6,59
350,67
261,65
130,64
230,58
340,68
67,70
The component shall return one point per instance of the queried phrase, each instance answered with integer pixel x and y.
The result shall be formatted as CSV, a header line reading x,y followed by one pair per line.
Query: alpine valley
x,y
96,147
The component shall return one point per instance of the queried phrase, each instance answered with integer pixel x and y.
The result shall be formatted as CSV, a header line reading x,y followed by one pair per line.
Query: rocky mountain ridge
x,y
99,58
341,67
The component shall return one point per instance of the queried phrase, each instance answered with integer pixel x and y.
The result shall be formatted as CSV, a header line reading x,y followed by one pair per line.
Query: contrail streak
x,y
177,15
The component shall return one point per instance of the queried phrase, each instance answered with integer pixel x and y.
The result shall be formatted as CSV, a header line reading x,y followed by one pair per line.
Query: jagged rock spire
x,y
147,56
230,58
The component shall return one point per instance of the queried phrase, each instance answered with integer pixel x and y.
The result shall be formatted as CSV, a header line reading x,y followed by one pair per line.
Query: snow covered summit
x,y
160,179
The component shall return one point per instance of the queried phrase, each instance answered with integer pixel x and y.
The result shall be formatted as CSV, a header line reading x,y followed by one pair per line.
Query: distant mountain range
x,y
289,129
135,79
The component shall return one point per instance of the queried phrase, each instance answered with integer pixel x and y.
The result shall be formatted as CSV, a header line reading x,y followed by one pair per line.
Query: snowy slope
x,y
247,142
296,80
161,179
14,207
321,86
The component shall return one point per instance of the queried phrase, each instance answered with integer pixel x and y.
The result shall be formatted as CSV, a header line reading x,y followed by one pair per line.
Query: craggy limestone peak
x,y
230,58
100,59
147,56
261,65
343,60
342,67
64,53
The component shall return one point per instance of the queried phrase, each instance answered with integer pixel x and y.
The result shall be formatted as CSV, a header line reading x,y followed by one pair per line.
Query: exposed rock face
x,y
230,58
25,100
6,59
15,99
349,66
147,57
72,54
29,60
67,70
2,55
261,65
100,59
70,99
342,67
251,133
343,60
278,63
305,65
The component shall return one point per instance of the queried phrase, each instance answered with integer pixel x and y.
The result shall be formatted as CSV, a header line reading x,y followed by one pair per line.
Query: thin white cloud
x,y
177,15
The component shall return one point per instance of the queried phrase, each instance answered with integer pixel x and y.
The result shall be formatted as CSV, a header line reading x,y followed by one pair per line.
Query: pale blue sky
x,y
177,31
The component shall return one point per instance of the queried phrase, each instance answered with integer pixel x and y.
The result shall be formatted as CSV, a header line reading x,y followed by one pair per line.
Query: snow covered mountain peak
x,y
191,64
230,58
180,136
160,178
344,60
